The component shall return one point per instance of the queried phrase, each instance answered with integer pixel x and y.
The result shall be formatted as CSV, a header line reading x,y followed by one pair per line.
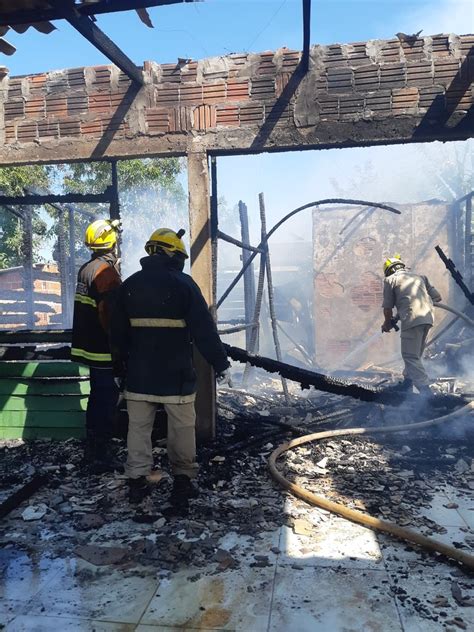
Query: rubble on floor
x,y
243,523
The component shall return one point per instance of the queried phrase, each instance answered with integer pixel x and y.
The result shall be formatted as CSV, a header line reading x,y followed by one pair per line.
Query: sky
x,y
218,27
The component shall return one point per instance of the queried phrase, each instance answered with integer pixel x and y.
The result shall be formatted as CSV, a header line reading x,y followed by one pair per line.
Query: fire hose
x,y
357,516
459,314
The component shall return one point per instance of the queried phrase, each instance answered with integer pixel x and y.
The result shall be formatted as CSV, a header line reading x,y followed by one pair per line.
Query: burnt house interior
x,y
315,468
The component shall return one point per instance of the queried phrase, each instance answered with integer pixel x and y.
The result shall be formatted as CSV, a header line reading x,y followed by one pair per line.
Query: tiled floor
x,y
339,578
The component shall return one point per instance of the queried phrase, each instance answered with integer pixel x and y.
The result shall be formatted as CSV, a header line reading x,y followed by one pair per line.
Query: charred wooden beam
x,y
306,34
457,276
22,494
38,200
39,337
31,353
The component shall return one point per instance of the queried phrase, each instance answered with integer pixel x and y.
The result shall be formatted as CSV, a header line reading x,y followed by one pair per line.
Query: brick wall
x,y
368,92
348,277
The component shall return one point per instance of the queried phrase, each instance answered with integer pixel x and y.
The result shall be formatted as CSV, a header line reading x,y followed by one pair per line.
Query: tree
x,y
14,181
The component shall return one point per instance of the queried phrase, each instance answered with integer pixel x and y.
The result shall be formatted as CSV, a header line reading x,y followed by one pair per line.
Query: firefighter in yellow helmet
x,y
412,295
96,282
159,315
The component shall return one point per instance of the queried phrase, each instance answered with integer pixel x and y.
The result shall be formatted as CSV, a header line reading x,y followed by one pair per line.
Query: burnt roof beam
x,y
28,16
306,34
106,46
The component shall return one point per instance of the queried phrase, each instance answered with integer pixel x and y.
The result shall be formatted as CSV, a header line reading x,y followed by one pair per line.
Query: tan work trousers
x,y
181,442
413,345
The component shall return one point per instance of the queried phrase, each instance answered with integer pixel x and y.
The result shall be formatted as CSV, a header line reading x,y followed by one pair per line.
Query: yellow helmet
x,y
102,234
168,241
391,263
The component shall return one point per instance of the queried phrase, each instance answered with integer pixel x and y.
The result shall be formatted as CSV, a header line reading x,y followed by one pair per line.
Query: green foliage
x,y
14,181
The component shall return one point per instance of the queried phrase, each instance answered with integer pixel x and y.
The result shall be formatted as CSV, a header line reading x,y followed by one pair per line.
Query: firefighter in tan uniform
x,y
412,295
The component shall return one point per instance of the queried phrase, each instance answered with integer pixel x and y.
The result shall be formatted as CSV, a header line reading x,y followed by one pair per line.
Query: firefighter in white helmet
x,y
412,295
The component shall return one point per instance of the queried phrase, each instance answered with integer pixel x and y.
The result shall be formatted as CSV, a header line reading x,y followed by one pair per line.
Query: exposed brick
x,y
237,64
329,108
238,90
167,94
277,113
290,60
281,81
357,54
171,73
466,45
77,102
251,114
390,51
440,46
99,102
379,102
340,79
91,128
459,99
190,94
404,100
419,73
10,133
432,97
48,129
157,120
37,84
57,83
262,89
27,132
414,52
350,105
14,109
189,72
56,106
334,56
204,117
15,88
35,108
214,93
101,78
69,128
112,123
179,119
227,116
76,77
445,70
266,65
366,78
392,75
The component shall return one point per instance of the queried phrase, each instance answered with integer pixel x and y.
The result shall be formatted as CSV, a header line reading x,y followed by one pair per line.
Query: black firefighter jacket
x,y
159,313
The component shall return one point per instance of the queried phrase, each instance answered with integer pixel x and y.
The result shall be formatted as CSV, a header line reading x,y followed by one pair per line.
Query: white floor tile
x,y
331,600
35,623
237,599
23,575
417,603
336,542
403,556
90,593
439,513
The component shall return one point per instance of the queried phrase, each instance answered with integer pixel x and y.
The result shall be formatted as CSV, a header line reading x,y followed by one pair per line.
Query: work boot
x,y
425,390
406,385
138,489
183,490
100,459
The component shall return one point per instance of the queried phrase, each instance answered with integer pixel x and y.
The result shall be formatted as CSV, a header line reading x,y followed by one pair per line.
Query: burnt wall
x,y
348,279
354,94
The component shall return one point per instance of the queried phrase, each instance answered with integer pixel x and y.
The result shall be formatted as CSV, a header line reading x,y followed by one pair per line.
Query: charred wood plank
x,y
457,276
32,353
22,494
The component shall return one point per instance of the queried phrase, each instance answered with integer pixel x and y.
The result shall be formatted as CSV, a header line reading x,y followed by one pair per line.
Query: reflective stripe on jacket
x,y
96,281
159,315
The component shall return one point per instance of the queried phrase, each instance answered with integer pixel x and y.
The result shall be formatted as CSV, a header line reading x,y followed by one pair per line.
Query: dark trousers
x,y
101,407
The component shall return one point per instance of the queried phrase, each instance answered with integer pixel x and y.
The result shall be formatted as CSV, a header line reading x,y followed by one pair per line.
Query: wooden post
x,y
201,271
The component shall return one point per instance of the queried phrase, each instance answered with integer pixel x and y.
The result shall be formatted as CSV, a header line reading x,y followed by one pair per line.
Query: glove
x,y
224,378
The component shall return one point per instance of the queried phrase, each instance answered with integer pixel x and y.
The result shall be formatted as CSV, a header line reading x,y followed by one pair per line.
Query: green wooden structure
x,y
43,399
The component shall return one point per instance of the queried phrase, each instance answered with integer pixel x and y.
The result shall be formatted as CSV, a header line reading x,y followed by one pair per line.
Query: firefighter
x,y
413,296
159,315
97,280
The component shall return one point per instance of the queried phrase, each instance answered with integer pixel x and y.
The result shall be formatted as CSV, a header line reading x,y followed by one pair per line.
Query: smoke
x,y
145,210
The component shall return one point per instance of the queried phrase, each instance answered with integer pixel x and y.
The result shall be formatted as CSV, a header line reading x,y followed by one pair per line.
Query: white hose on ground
x,y
357,516
457,312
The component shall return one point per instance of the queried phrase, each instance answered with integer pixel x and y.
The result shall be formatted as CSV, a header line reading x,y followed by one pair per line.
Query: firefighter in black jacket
x,y
159,314
96,282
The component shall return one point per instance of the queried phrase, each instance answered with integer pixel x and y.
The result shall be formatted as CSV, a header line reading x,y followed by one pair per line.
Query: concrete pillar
x,y
201,271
